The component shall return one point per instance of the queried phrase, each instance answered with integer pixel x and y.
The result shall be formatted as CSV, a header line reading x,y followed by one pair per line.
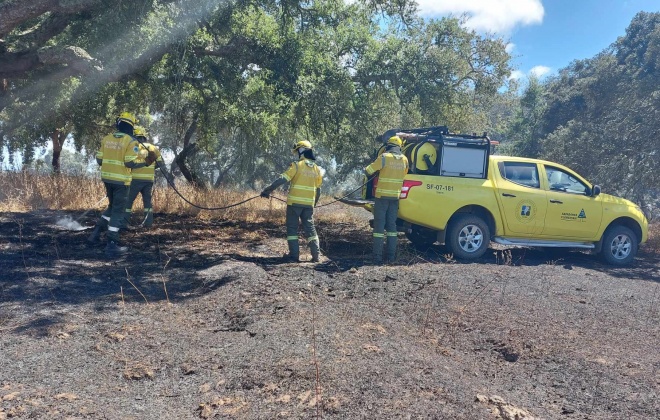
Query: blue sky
x,y
546,35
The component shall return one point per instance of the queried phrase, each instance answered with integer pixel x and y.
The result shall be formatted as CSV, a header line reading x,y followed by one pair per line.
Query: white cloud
x,y
510,47
540,71
536,71
516,74
498,16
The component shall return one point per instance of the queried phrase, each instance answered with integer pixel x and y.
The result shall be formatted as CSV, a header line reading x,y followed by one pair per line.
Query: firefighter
x,y
305,178
119,154
392,166
142,181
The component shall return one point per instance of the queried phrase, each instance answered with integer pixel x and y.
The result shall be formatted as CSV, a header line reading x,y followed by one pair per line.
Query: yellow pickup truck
x,y
460,194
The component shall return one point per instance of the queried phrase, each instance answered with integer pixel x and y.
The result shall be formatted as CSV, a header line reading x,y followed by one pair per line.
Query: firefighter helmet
x,y
303,144
127,117
139,131
395,141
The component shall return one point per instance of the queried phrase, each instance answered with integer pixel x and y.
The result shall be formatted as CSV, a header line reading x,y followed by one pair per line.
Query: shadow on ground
x,y
44,266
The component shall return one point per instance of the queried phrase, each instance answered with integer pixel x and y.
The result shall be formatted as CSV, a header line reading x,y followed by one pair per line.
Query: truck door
x,y
572,212
522,201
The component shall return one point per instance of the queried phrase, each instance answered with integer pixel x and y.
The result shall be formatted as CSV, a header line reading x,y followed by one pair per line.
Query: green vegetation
x,y
601,116
228,85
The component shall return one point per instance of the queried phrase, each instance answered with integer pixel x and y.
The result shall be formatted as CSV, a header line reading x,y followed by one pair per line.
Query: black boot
x,y
113,250
290,258
94,238
315,250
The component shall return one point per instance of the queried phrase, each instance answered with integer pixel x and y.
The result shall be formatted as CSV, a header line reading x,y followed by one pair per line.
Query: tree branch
x,y
15,65
15,12
369,78
228,50
54,25
222,172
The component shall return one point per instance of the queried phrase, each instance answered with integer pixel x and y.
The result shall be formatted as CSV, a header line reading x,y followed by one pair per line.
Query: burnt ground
x,y
201,319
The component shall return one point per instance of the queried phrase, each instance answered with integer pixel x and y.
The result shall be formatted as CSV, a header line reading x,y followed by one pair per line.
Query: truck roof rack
x,y
440,136
456,154
438,130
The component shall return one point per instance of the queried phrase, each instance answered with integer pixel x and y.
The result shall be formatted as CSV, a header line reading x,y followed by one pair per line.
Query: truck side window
x,y
563,181
521,173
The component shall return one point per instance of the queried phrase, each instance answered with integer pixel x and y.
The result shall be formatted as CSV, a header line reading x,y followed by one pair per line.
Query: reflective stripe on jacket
x,y
116,150
147,173
305,177
393,167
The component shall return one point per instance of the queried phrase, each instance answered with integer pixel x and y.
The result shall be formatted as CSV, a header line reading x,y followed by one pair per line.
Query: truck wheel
x,y
421,238
468,237
619,245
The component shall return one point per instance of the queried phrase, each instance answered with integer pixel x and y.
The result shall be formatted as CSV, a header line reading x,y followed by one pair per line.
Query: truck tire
x,y
619,245
468,237
421,238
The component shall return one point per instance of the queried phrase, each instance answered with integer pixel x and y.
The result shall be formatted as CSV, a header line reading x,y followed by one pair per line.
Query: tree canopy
x,y
229,85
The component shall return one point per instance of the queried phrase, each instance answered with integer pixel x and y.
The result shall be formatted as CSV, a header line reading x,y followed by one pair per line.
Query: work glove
x,y
265,193
151,158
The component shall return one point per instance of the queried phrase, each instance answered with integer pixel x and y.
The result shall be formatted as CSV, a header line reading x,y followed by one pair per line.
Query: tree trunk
x,y
58,137
190,176
223,172
4,89
2,149
190,132
188,149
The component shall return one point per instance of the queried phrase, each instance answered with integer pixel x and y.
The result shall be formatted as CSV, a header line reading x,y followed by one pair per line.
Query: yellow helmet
x,y
302,144
395,141
139,131
127,117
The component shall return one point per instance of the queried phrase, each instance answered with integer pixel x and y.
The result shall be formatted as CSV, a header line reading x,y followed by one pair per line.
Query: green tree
x,y
228,86
526,130
603,114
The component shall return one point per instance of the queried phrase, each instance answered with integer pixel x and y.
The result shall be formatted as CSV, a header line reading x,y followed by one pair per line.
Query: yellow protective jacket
x,y
393,167
305,177
146,173
118,154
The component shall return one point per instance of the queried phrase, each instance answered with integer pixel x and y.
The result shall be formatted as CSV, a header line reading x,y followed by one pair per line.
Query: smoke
x,y
69,224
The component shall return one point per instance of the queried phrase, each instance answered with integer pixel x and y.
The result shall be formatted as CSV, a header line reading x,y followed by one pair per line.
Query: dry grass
x,y
25,192
653,244
22,191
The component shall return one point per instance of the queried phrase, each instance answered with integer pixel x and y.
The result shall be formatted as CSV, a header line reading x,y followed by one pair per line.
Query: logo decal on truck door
x,y
526,211
574,217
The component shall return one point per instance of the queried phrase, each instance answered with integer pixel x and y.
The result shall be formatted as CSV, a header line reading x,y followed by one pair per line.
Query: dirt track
x,y
202,320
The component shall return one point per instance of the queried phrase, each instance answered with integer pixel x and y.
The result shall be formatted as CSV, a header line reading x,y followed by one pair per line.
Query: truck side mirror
x,y
595,191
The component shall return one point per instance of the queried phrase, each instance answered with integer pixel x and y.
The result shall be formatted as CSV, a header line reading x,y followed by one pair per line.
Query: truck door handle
x,y
556,201
508,195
